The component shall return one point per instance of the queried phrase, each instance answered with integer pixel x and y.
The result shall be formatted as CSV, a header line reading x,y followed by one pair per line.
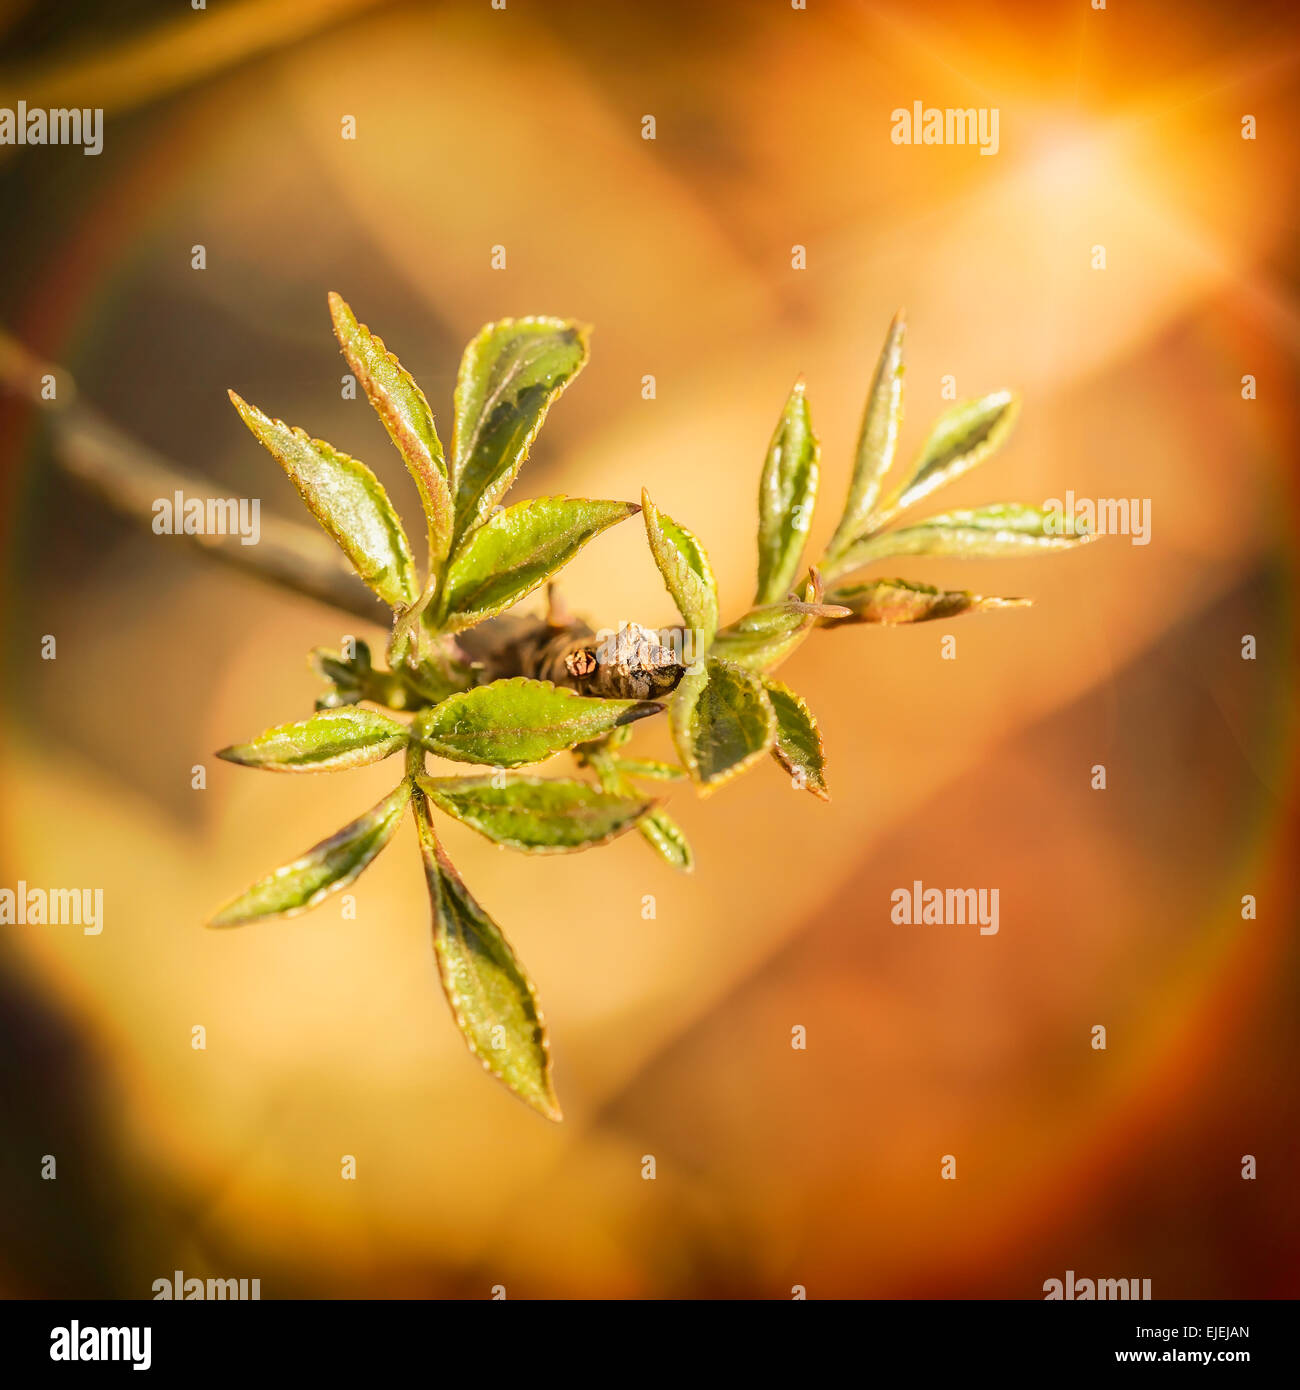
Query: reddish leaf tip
x,y
641,710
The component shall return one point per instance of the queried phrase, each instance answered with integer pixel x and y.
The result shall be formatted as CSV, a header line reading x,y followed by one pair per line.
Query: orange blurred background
x,y
522,128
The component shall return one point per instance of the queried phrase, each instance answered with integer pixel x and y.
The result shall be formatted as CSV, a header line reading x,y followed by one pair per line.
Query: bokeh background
x,y
328,1037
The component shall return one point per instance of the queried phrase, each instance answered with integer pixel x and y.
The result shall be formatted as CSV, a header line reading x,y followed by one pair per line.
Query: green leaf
x,y
327,741
542,815
877,440
963,437
766,636
348,678
686,573
620,736
721,720
786,495
516,721
439,669
517,549
492,1000
798,740
323,869
348,501
509,376
651,769
401,405
1009,528
895,601
662,833
657,827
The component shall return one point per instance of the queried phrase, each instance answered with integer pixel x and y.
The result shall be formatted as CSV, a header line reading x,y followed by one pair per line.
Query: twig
x,y
130,477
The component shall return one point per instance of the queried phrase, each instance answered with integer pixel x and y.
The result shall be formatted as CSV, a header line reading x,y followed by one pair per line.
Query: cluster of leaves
x,y
483,557
728,712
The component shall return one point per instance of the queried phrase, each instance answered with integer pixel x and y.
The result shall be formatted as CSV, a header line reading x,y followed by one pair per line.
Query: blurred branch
x,y
129,478
176,54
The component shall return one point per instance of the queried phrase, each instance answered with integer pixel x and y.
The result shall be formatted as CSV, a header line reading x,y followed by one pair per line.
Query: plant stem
x,y
414,760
